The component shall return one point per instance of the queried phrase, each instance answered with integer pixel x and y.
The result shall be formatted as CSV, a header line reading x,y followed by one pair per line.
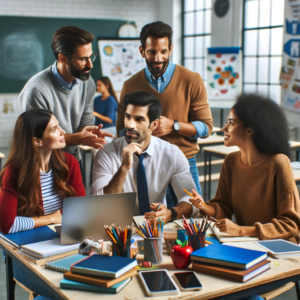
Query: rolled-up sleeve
x,y
182,178
102,172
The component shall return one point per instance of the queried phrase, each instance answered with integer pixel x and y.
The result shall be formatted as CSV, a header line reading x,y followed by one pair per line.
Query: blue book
x,y
64,264
104,266
73,285
228,256
35,235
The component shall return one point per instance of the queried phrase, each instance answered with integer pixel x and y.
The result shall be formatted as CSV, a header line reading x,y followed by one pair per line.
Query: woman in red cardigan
x,y
36,177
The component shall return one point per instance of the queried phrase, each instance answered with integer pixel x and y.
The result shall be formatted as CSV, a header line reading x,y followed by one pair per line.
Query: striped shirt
x,y
51,203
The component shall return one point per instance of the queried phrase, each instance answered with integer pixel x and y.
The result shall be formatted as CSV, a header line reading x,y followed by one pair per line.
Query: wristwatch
x,y
174,213
176,126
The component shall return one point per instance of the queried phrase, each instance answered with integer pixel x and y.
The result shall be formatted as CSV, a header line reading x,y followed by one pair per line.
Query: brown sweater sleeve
x,y
121,109
287,223
199,107
221,202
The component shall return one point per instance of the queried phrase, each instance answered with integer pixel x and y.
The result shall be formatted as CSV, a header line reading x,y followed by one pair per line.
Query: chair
x,y
32,294
274,293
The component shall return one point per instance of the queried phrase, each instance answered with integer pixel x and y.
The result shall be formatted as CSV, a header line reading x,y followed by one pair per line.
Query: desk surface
x,y
2,155
84,147
217,129
213,286
212,139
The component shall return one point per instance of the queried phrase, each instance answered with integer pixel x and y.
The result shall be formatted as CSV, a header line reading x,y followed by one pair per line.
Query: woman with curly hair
x,y
256,183
36,177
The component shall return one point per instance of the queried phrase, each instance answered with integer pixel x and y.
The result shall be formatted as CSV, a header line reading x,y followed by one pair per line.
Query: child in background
x,y
106,105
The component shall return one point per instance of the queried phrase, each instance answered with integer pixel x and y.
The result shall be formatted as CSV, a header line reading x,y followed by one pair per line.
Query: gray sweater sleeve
x,y
32,97
87,118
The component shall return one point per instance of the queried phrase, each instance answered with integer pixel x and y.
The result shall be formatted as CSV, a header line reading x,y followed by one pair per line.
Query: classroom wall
x,y
141,11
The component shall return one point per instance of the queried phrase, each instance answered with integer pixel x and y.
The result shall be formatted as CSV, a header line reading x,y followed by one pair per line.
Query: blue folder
x,y
35,235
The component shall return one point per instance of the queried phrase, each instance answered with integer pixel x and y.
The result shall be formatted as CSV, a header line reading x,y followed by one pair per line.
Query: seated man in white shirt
x,y
144,163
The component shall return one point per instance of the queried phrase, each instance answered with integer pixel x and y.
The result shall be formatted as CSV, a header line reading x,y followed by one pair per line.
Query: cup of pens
x,y
153,250
120,239
196,232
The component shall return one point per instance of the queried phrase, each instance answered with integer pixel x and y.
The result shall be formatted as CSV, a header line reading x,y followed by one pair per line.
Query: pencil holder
x,y
182,235
153,250
122,250
196,241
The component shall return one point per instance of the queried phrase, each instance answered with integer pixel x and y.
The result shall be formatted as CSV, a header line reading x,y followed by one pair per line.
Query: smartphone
x,y
188,281
158,283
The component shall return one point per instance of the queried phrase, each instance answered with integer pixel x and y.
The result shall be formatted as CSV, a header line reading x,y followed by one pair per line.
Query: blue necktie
x,y
142,186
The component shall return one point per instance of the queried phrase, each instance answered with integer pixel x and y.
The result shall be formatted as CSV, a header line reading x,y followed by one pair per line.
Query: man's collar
x,y
62,82
149,150
168,72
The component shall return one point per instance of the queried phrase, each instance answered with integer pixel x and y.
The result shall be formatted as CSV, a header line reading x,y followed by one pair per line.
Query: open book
x,y
226,238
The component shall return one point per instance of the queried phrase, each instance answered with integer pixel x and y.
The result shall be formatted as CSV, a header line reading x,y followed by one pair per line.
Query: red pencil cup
x,y
196,241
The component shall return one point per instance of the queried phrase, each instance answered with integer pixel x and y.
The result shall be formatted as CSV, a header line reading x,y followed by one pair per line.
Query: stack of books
x,y
230,262
97,273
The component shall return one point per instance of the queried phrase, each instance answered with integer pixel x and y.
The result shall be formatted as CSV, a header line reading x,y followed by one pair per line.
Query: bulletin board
x,y
223,74
290,71
120,59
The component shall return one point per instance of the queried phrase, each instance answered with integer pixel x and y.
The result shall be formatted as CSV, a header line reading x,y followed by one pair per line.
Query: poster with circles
x,y
223,73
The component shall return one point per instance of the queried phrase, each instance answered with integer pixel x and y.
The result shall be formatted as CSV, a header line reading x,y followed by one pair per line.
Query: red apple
x,y
180,255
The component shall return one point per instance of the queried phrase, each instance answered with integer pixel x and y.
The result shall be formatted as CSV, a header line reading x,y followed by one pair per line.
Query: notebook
x,y
104,266
68,284
64,264
104,282
229,256
35,235
47,248
231,273
280,248
226,238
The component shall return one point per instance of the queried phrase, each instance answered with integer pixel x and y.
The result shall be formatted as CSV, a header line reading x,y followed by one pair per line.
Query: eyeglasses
x,y
84,60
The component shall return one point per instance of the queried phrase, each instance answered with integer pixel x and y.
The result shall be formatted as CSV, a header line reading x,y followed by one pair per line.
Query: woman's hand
x,y
229,227
198,201
56,217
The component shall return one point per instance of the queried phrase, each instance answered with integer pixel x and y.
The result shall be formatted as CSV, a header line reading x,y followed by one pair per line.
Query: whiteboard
x,y
120,59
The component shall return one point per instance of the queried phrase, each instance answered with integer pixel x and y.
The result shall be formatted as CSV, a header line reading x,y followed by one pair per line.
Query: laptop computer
x,y
85,216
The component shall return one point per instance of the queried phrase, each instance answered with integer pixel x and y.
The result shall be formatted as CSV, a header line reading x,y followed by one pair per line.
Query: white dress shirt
x,y
164,163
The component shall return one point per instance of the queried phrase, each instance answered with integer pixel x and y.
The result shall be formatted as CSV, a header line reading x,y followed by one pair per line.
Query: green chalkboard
x,y
25,46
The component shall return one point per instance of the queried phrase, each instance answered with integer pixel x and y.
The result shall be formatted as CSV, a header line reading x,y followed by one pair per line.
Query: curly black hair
x,y
266,119
156,29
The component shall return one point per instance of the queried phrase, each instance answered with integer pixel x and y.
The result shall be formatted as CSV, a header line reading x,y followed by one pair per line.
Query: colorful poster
x,y
120,59
223,73
290,71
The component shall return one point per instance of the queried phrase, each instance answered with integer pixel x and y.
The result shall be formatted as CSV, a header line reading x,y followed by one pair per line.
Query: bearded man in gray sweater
x,y
67,89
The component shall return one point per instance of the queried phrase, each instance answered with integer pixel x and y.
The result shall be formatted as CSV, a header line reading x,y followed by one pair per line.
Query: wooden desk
x,y
212,140
1,156
213,287
221,151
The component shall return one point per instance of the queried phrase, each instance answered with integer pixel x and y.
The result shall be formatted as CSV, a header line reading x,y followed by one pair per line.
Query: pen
x,y
193,196
158,207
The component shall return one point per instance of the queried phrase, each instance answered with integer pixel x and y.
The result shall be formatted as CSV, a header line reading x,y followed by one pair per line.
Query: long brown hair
x,y
107,82
24,158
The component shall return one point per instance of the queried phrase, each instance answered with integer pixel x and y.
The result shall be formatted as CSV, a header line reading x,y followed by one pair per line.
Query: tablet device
x,y
280,248
158,283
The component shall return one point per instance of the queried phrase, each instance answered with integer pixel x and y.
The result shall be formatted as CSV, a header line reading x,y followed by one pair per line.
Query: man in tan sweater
x,y
185,111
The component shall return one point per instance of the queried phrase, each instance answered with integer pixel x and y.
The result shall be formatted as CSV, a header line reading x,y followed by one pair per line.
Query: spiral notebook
x,y
63,265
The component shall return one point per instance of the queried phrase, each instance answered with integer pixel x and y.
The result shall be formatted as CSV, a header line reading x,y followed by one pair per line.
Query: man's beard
x,y
138,139
159,70
78,73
